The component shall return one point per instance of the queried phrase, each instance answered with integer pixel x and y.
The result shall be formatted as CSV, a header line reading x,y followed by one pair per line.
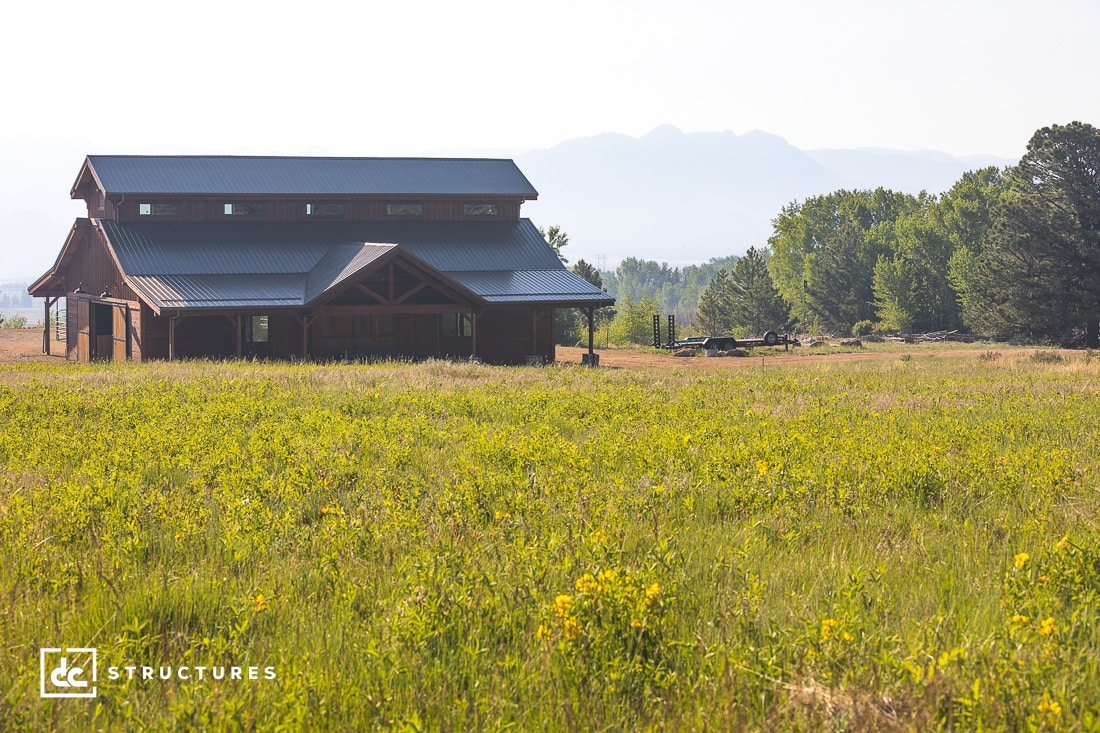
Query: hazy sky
x,y
409,77
403,77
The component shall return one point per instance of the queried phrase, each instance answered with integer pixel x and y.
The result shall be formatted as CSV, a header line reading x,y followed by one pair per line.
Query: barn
x,y
308,257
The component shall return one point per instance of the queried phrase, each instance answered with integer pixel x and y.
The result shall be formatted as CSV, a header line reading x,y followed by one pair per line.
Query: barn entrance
x,y
102,332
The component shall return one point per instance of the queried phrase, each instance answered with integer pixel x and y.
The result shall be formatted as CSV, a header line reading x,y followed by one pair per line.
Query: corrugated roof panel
x,y
188,249
342,262
262,176
528,285
192,265
147,248
221,291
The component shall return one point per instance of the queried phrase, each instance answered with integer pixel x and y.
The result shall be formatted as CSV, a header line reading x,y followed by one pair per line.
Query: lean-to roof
x,y
226,265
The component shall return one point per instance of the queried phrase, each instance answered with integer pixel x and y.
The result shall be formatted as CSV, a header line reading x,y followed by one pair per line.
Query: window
x,y
481,209
404,209
457,325
247,208
334,211
256,329
160,209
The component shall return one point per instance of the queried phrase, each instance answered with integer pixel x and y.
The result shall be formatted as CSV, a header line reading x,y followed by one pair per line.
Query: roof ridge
x,y
229,156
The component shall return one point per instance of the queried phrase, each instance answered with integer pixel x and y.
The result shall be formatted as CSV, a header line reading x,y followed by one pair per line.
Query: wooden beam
x,y
46,328
410,292
172,338
371,293
473,335
366,310
240,336
307,321
591,337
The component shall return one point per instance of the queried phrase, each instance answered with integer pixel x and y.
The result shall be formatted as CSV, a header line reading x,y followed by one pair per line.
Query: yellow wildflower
x,y
1047,627
562,604
761,468
259,603
1053,707
572,628
543,633
1019,619
586,584
607,577
651,594
828,626
1021,559
1063,542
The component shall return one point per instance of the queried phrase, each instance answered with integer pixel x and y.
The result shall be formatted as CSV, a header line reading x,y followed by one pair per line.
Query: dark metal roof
x,y
341,263
211,265
220,291
280,176
530,285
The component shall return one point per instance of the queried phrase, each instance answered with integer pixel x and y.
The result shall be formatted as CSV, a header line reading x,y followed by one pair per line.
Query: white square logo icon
x,y
68,672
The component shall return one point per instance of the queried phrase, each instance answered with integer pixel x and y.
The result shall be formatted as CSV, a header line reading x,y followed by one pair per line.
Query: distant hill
x,y
684,198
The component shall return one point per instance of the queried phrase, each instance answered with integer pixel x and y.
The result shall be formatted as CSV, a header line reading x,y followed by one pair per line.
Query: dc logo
x,y
69,672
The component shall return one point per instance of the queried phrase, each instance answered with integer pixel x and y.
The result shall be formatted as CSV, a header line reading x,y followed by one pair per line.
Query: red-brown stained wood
x,y
366,208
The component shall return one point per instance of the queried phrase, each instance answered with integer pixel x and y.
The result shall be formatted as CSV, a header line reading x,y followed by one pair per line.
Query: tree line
x,y
1005,253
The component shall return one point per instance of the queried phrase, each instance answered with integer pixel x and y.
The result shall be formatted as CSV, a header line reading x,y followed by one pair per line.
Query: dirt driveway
x,y
614,358
25,345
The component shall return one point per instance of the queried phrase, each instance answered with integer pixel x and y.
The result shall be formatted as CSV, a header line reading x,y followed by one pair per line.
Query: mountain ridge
x,y
685,198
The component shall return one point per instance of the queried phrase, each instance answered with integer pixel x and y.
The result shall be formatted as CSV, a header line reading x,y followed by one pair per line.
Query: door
x,y
119,332
83,330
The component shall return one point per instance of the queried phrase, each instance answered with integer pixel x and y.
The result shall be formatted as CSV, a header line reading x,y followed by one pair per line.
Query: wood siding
x,y
504,335
93,268
509,336
207,208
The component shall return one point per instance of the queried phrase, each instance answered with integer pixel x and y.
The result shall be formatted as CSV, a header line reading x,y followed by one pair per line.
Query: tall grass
x,y
888,545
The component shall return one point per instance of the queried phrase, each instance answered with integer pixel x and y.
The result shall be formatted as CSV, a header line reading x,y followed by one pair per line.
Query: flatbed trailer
x,y
717,343
726,343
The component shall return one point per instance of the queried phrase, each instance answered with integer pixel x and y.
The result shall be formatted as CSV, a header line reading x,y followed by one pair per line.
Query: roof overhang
x,y
85,180
52,284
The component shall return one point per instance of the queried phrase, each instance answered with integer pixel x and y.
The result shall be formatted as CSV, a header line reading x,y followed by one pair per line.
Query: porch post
x,y
46,327
591,331
240,344
473,335
172,338
307,319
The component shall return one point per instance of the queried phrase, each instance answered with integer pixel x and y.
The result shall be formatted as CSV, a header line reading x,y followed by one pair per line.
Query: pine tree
x,y
1040,273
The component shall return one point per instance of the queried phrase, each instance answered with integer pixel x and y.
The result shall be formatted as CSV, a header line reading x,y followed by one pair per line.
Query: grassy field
x,y
904,544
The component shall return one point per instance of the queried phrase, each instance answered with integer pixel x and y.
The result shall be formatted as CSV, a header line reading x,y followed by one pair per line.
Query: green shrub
x,y
1047,357
863,328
